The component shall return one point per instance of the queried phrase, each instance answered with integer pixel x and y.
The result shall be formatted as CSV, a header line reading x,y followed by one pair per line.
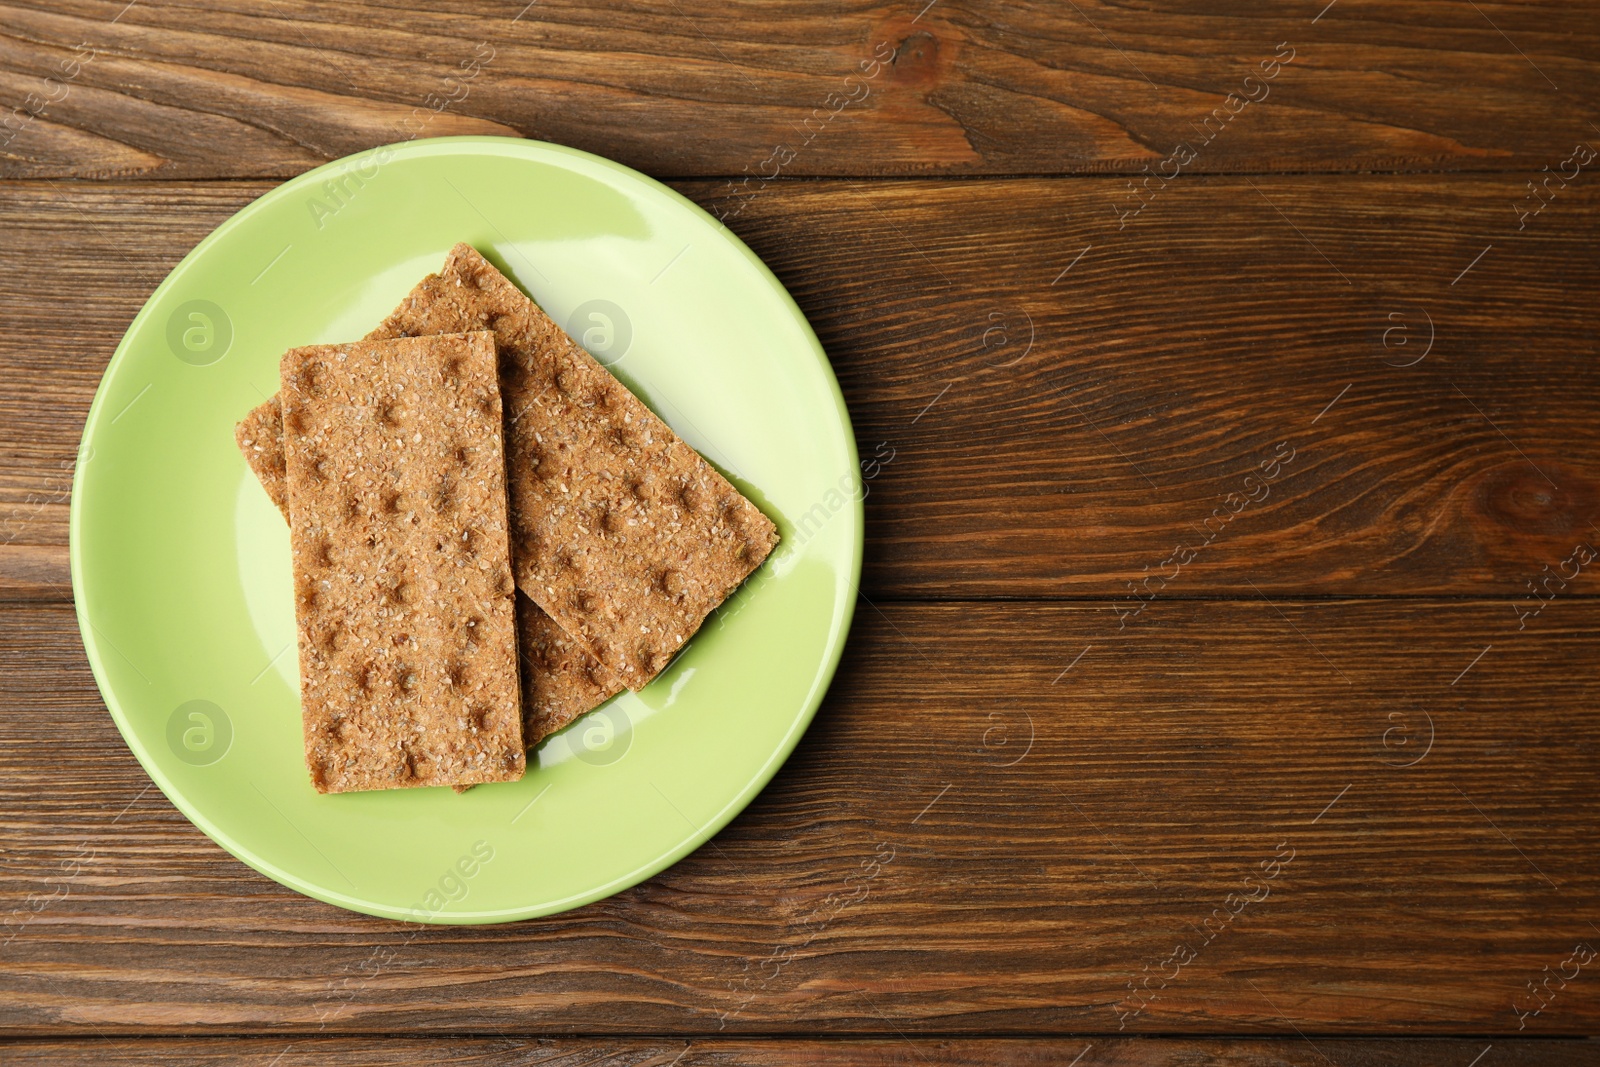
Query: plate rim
x,y
537,151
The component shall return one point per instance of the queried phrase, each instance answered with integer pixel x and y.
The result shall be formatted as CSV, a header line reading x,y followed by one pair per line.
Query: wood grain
x,y
1063,403
1060,804
1072,426
803,88
784,1051
1127,752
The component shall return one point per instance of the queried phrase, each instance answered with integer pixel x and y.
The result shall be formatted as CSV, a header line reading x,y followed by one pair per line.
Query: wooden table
x,y
1222,685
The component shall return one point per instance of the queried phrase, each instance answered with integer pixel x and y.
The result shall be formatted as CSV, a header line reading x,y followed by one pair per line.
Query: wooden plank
x,y
1072,426
1005,819
102,89
1059,406
34,572
784,1051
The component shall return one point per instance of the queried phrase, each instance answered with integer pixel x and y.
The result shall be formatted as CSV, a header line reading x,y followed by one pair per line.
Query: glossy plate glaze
x,y
180,564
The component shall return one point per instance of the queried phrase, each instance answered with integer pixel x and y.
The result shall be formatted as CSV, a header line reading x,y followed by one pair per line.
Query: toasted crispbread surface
x,y
560,680
623,533
403,591
259,436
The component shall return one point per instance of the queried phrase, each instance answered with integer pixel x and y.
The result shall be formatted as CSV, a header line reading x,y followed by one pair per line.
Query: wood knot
x,y
1544,501
918,60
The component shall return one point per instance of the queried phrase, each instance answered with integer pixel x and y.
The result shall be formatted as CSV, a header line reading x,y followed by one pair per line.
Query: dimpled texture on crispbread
x,y
402,585
623,534
259,436
560,681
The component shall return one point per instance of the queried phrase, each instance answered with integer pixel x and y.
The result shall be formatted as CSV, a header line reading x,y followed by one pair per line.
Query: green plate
x,y
180,564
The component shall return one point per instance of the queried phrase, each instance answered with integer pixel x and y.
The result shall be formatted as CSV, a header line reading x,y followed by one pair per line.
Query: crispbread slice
x,y
403,592
623,533
259,436
560,679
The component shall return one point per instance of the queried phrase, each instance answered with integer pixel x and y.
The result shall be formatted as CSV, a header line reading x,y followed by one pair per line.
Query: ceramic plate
x,y
180,564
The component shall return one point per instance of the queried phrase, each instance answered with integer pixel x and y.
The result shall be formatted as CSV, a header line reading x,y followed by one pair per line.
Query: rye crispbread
x,y
403,590
560,679
259,436
622,533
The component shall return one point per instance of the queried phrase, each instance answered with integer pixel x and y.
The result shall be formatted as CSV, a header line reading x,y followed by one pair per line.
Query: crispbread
x,y
623,533
259,436
560,681
403,591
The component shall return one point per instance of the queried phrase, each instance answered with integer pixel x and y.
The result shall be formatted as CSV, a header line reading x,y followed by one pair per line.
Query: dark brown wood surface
x,y
1196,710
1061,436
1050,837
785,1051
953,86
